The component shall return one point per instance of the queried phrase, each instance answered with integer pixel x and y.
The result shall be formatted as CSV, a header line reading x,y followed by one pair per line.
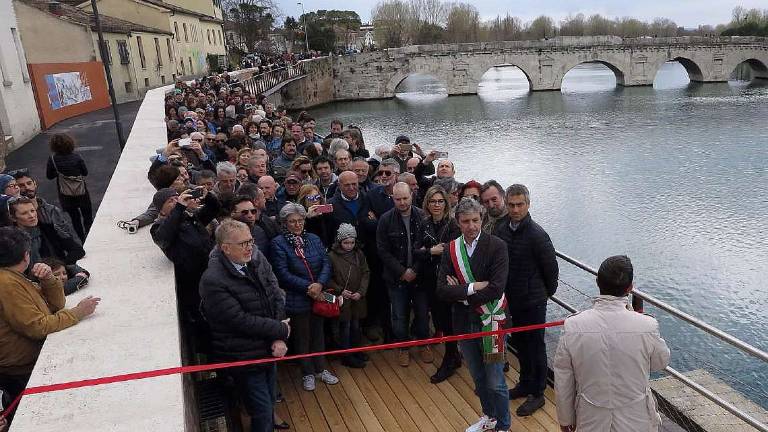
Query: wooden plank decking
x,y
385,397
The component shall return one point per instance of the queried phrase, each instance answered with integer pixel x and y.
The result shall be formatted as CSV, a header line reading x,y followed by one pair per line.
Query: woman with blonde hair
x,y
317,221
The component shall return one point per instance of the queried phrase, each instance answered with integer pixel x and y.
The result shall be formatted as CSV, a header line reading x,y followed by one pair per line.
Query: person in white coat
x,y
604,359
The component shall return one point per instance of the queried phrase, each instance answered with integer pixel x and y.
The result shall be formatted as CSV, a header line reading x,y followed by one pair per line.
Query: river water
x,y
674,175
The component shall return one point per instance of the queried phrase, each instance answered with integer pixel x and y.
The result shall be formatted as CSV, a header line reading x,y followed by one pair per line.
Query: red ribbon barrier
x,y
214,366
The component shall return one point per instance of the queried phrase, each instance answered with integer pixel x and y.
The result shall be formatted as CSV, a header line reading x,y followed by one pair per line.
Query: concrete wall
x,y
315,89
136,326
18,114
461,66
48,39
134,11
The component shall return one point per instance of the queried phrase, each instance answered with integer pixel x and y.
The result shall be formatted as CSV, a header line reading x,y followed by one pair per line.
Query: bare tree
x,y
541,27
252,20
573,25
392,20
463,23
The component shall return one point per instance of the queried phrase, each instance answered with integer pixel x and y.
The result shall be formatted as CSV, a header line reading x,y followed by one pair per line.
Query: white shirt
x,y
470,250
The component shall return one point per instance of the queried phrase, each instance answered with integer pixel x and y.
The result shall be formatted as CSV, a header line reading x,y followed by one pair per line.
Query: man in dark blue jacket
x,y
245,309
532,279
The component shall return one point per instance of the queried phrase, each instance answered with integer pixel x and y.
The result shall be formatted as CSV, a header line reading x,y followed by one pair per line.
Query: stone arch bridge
x,y
545,62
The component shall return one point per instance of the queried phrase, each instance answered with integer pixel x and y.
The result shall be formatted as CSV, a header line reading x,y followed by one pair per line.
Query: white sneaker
x,y
327,377
483,424
308,382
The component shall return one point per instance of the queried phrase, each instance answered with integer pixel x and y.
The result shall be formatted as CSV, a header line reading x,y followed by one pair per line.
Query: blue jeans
x,y
257,390
490,385
402,297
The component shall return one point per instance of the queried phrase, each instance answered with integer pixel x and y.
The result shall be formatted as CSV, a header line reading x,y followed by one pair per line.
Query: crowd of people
x,y
287,241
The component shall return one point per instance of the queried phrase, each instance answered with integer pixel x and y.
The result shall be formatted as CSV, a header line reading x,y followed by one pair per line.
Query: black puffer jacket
x,y
243,312
392,243
444,231
533,268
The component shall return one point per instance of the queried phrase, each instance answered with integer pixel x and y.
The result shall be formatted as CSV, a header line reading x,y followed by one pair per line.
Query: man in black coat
x,y
533,273
488,264
180,232
400,242
245,310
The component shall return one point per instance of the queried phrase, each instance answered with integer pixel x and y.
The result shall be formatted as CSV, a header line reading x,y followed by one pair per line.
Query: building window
x,y
221,42
146,82
122,50
141,52
183,72
107,53
176,30
162,79
157,51
186,35
208,32
191,71
170,50
173,76
20,54
128,87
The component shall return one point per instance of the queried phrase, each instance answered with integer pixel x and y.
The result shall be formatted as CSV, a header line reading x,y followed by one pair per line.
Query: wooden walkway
x,y
385,397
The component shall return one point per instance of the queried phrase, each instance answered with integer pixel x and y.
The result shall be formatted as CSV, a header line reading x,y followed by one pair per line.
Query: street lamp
x,y
306,36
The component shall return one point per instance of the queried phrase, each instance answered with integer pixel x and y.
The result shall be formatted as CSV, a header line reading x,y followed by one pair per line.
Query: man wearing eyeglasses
x,y
47,213
244,211
245,309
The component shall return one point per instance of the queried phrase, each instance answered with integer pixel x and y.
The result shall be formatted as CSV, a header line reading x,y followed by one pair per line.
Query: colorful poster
x,y
67,88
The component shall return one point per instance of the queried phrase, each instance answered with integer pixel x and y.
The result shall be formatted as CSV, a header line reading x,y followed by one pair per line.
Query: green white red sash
x,y
491,314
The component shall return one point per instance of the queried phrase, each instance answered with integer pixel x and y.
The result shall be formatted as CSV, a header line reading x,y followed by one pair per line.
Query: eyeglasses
x,y
436,201
309,171
197,140
251,211
295,221
314,197
245,244
385,173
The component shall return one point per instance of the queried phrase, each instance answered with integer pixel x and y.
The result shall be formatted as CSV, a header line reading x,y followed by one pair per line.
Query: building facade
x,y
19,121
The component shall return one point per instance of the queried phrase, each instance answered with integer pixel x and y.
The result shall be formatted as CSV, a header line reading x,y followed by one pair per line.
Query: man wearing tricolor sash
x,y
473,274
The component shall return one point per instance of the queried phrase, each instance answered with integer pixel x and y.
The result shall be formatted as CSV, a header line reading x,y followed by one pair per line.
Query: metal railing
x,y
260,83
727,337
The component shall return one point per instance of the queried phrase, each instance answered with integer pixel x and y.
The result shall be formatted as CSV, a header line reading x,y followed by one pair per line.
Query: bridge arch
x,y
759,67
694,70
400,76
501,66
617,70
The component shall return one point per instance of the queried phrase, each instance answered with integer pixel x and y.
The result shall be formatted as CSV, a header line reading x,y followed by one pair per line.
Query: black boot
x,y
451,362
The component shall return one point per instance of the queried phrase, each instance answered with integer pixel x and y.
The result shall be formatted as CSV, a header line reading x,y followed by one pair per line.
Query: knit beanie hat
x,y
345,231
162,196
4,180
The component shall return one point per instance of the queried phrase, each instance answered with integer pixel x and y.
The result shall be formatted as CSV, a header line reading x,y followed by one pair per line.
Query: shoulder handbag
x,y
323,308
69,185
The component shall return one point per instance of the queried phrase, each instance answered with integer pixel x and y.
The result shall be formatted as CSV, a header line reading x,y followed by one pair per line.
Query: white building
x,y
18,114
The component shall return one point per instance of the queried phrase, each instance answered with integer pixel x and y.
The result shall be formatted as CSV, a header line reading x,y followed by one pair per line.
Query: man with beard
x,y
492,198
326,179
291,187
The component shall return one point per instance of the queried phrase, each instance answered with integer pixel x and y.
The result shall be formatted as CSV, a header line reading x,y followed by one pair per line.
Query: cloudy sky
x,y
688,13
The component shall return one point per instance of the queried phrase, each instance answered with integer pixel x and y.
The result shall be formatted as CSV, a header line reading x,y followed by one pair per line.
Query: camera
x,y
131,226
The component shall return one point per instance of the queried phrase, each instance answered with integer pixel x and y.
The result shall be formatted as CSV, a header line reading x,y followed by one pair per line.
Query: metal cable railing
x,y
727,337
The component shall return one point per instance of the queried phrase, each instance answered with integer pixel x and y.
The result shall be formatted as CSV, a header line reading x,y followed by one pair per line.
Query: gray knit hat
x,y
345,231
162,196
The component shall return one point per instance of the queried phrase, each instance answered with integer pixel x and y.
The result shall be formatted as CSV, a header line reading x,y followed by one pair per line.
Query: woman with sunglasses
x,y
439,229
317,220
303,270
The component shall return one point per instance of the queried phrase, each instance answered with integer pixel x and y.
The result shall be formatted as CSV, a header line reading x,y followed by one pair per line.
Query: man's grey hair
x,y
290,209
519,189
336,145
359,159
390,163
449,184
468,205
206,174
226,168
405,176
225,230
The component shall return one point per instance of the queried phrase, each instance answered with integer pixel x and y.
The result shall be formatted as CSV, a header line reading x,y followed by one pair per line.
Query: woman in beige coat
x,y
350,281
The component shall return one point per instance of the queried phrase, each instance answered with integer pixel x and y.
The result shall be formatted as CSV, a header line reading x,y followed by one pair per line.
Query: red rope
x,y
91,382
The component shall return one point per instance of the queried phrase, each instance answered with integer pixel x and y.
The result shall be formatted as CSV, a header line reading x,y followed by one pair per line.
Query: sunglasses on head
x,y
21,172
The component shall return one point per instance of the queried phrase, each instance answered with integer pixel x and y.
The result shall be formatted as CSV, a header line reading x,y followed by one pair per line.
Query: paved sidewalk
x,y
96,140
